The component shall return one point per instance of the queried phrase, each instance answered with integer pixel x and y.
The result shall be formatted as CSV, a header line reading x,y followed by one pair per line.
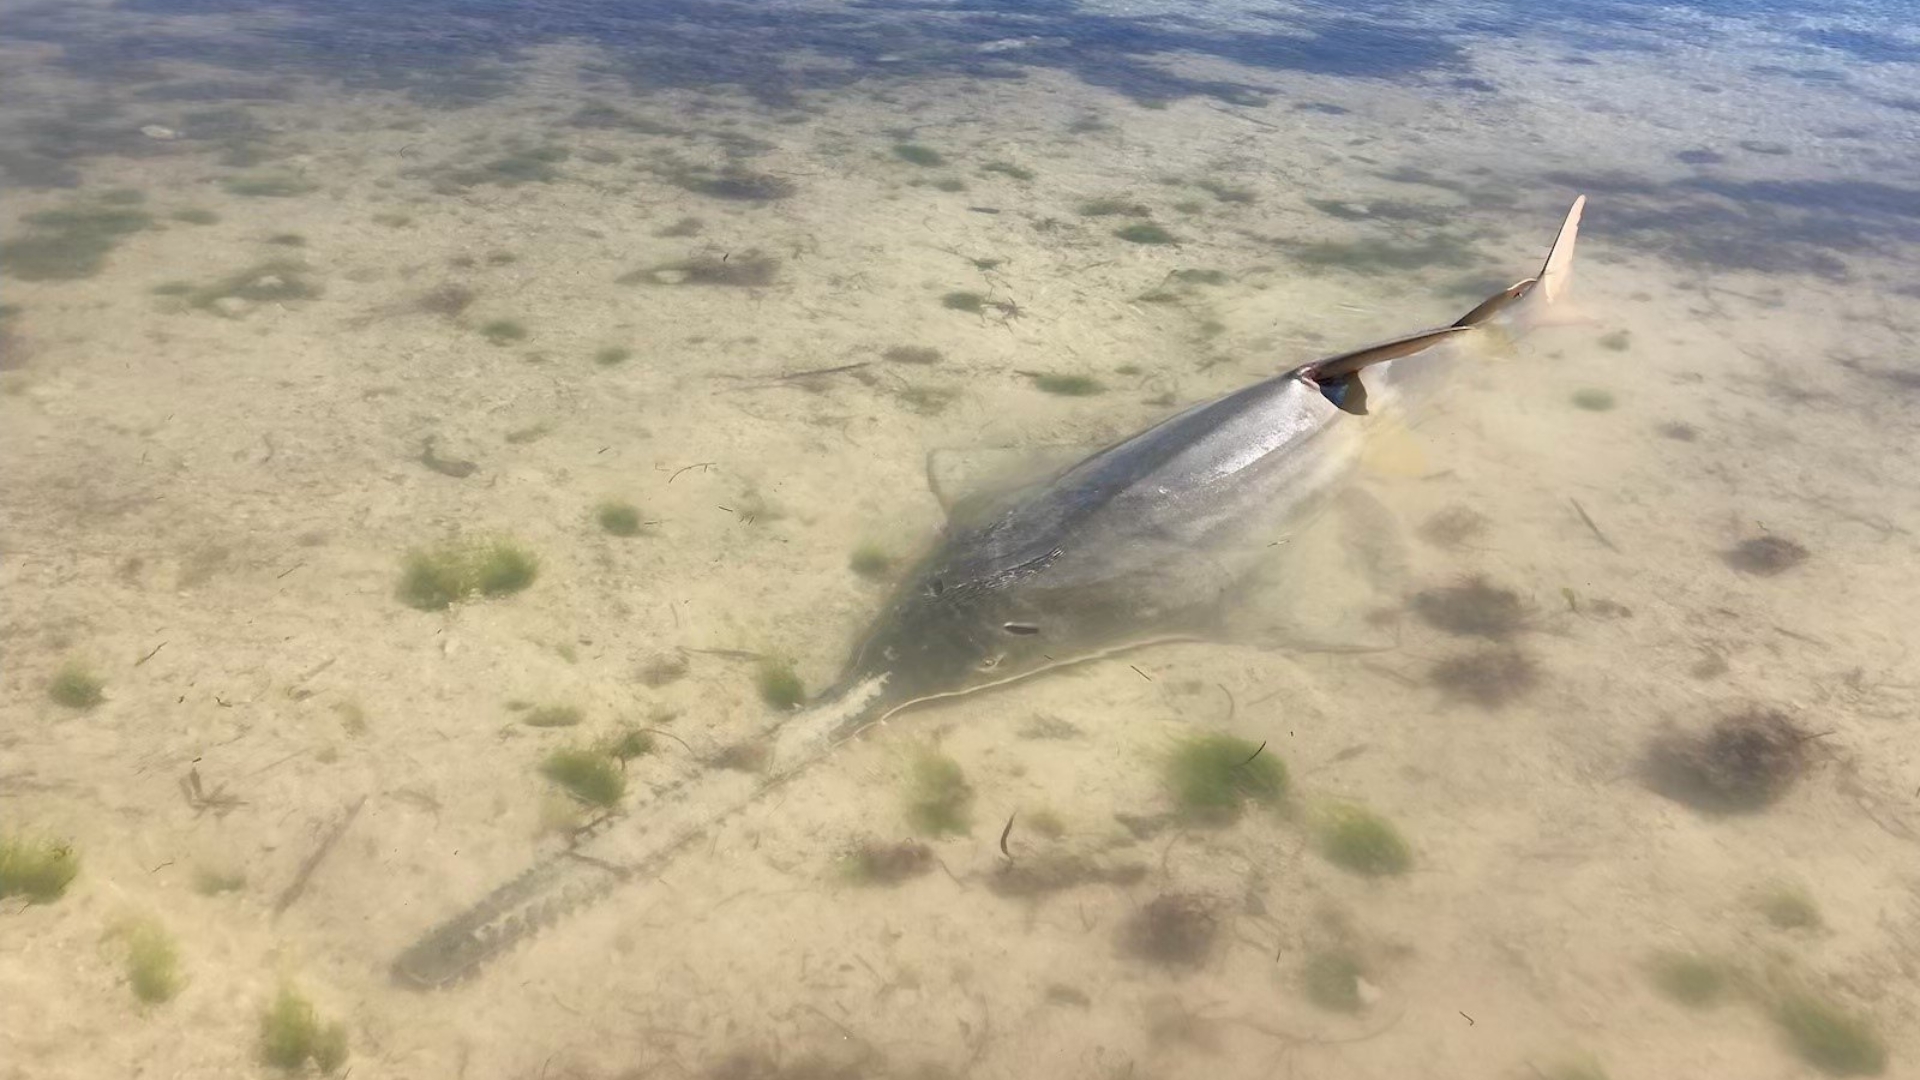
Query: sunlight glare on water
x,y
463,459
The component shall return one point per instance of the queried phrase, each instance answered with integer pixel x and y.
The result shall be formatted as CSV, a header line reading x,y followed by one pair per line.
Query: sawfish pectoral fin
x,y
1322,588
1347,393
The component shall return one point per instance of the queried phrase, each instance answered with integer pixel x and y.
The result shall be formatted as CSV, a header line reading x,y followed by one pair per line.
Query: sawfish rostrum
x,y
1141,541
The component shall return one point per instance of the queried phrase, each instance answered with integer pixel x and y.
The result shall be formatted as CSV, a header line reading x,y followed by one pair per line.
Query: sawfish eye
x,y
988,663
1020,628
935,587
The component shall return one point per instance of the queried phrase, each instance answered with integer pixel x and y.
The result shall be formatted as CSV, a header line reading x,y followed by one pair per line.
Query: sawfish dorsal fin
x,y
1338,377
968,482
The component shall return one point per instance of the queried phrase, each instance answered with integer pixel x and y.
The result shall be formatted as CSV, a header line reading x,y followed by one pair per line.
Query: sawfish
x,y
1146,540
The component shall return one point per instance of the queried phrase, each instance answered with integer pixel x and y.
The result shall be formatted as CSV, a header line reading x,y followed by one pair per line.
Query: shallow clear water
x,y
298,295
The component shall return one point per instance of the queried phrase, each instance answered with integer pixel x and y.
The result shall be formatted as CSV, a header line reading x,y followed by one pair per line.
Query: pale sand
x,y
242,490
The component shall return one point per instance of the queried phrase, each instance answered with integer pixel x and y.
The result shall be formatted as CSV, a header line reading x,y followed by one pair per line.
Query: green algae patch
x,y
153,961
1364,842
1693,981
1145,232
503,331
589,775
1331,979
627,743
39,870
276,281
214,880
1829,1038
434,579
269,185
1788,908
70,243
619,518
1213,777
553,716
76,686
1068,385
293,1034
1593,399
870,561
939,799
914,154
779,685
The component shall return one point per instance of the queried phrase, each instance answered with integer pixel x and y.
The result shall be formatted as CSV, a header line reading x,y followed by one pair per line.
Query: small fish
x,y
1147,540
454,467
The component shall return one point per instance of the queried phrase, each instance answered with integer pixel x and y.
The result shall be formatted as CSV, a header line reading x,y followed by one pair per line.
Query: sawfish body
x,y
1144,540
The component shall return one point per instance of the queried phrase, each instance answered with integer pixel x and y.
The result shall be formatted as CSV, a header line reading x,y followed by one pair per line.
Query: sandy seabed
x,y
211,485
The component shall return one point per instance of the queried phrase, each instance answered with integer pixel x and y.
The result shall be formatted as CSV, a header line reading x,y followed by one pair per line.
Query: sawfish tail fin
x,y
1539,300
